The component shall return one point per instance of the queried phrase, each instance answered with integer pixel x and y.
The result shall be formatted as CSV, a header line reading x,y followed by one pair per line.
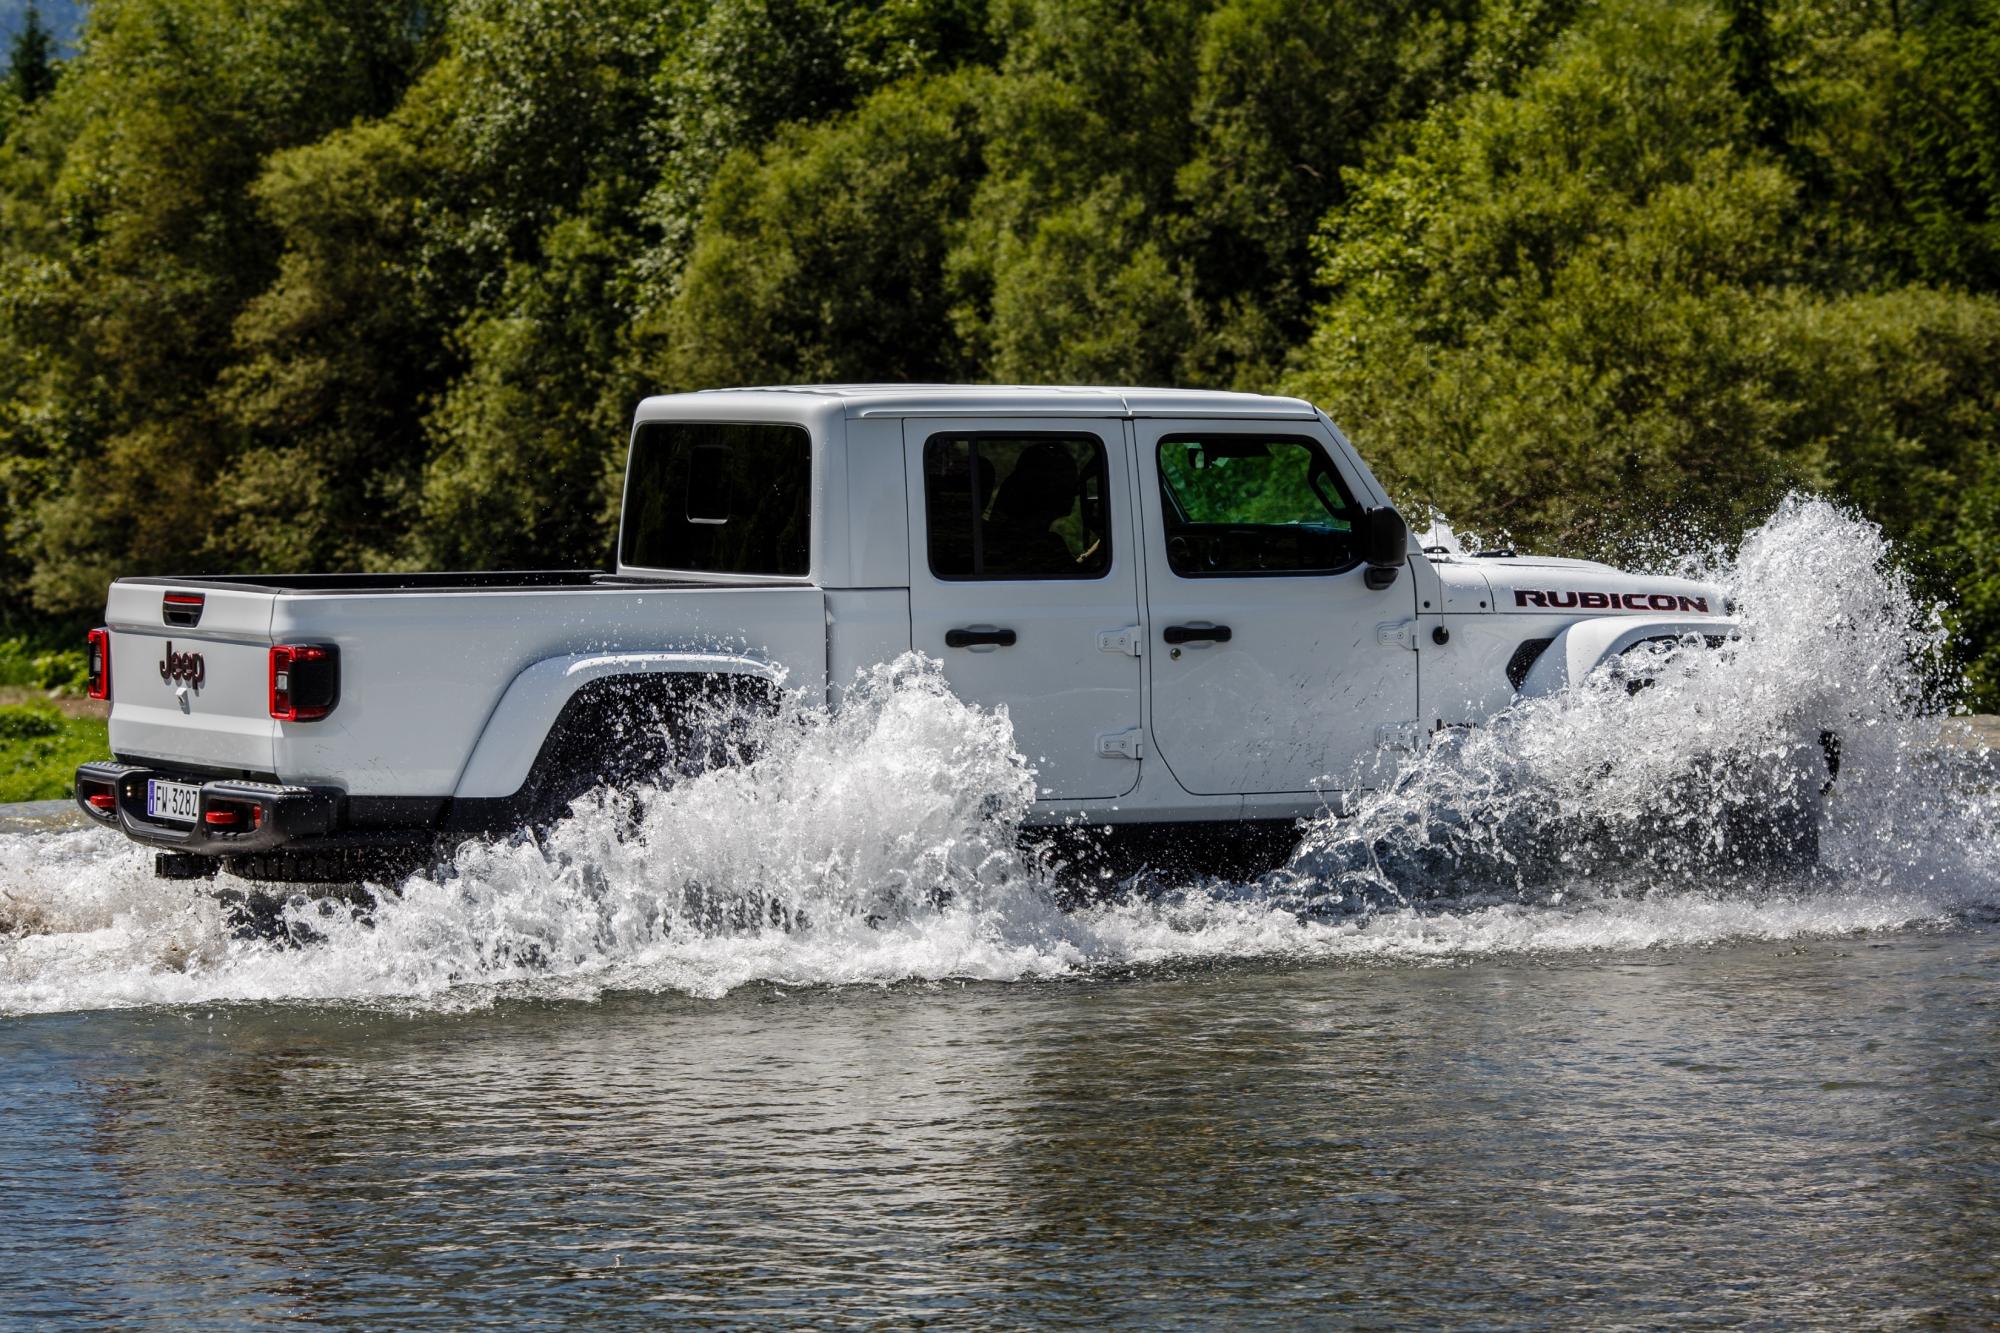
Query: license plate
x,y
178,801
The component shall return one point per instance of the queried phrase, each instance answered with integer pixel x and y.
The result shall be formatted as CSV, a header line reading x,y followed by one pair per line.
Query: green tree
x,y
31,60
1062,272
747,68
528,441
132,244
645,103
421,349
823,258
333,359
1156,173
1573,307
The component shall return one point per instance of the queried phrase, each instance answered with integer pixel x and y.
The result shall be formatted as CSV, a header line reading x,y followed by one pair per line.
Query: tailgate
x,y
196,694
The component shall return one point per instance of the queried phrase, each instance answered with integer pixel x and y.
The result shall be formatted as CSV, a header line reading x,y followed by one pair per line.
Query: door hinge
x,y
1397,736
1129,641
1128,743
1402,634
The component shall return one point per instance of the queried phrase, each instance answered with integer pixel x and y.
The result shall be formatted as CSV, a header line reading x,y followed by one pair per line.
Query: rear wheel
x,y
634,730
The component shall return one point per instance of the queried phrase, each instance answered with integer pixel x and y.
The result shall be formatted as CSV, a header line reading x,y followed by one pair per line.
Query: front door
x,y
1269,673
1024,583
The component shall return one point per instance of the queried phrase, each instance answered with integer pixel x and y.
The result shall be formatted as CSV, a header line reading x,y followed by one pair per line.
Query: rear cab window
x,y
1247,504
719,498
1016,507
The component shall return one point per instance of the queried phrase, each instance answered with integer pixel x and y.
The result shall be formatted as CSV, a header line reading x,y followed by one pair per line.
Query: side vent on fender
x,y
1524,659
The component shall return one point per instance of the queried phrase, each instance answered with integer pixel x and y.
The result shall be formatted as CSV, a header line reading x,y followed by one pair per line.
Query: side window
x,y
1017,506
719,497
1253,504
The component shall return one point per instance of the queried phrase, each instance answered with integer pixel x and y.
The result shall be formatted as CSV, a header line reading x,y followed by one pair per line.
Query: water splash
x,y
874,843
878,844
1690,760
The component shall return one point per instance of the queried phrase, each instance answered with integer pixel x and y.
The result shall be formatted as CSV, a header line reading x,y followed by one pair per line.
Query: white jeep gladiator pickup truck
x,y
1199,609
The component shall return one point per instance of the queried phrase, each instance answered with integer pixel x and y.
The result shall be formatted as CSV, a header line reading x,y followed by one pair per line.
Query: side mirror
x,y
1385,545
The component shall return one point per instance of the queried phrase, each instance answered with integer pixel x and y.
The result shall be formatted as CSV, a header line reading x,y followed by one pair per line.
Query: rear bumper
x,y
260,816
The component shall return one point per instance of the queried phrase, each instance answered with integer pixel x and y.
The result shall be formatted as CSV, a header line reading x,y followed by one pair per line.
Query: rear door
x,y
1269,669
1024,583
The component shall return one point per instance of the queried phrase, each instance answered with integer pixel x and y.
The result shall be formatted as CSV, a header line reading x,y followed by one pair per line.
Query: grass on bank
x,y
28,665
40,746
47,727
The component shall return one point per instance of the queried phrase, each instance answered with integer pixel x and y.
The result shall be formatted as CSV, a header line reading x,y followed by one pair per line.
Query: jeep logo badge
x,y
187,668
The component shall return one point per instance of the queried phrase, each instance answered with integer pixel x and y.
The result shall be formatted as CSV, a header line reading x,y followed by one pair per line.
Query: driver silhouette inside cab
x,y
1019,536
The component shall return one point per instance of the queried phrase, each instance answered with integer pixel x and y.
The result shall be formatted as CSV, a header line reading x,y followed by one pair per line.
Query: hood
x,y
1537,585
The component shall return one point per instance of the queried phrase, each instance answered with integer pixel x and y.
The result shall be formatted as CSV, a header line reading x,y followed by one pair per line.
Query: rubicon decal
x,y
186,668
1613,601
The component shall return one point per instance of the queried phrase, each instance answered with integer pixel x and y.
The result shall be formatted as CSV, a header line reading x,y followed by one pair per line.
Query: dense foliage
x,y
375,283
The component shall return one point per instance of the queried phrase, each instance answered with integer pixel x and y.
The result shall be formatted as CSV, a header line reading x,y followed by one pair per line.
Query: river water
x,y
1544,1034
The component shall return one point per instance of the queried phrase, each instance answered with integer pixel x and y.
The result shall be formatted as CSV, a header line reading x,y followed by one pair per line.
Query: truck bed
x,y
439,581
425,660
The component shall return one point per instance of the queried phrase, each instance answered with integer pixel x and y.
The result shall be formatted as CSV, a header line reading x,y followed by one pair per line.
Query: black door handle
x,y
1195,633
972,638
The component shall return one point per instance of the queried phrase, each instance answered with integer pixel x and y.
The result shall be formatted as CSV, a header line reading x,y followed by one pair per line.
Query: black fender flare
x,y
618,731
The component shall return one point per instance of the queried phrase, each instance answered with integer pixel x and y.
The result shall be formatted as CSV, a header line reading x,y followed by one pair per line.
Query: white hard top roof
x,y
1019,400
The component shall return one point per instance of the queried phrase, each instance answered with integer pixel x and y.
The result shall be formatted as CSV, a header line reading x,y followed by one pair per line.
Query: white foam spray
x,y
878,844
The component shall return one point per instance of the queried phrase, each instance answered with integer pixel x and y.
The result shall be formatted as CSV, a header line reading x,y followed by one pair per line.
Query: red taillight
x,y
305,681
100,664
